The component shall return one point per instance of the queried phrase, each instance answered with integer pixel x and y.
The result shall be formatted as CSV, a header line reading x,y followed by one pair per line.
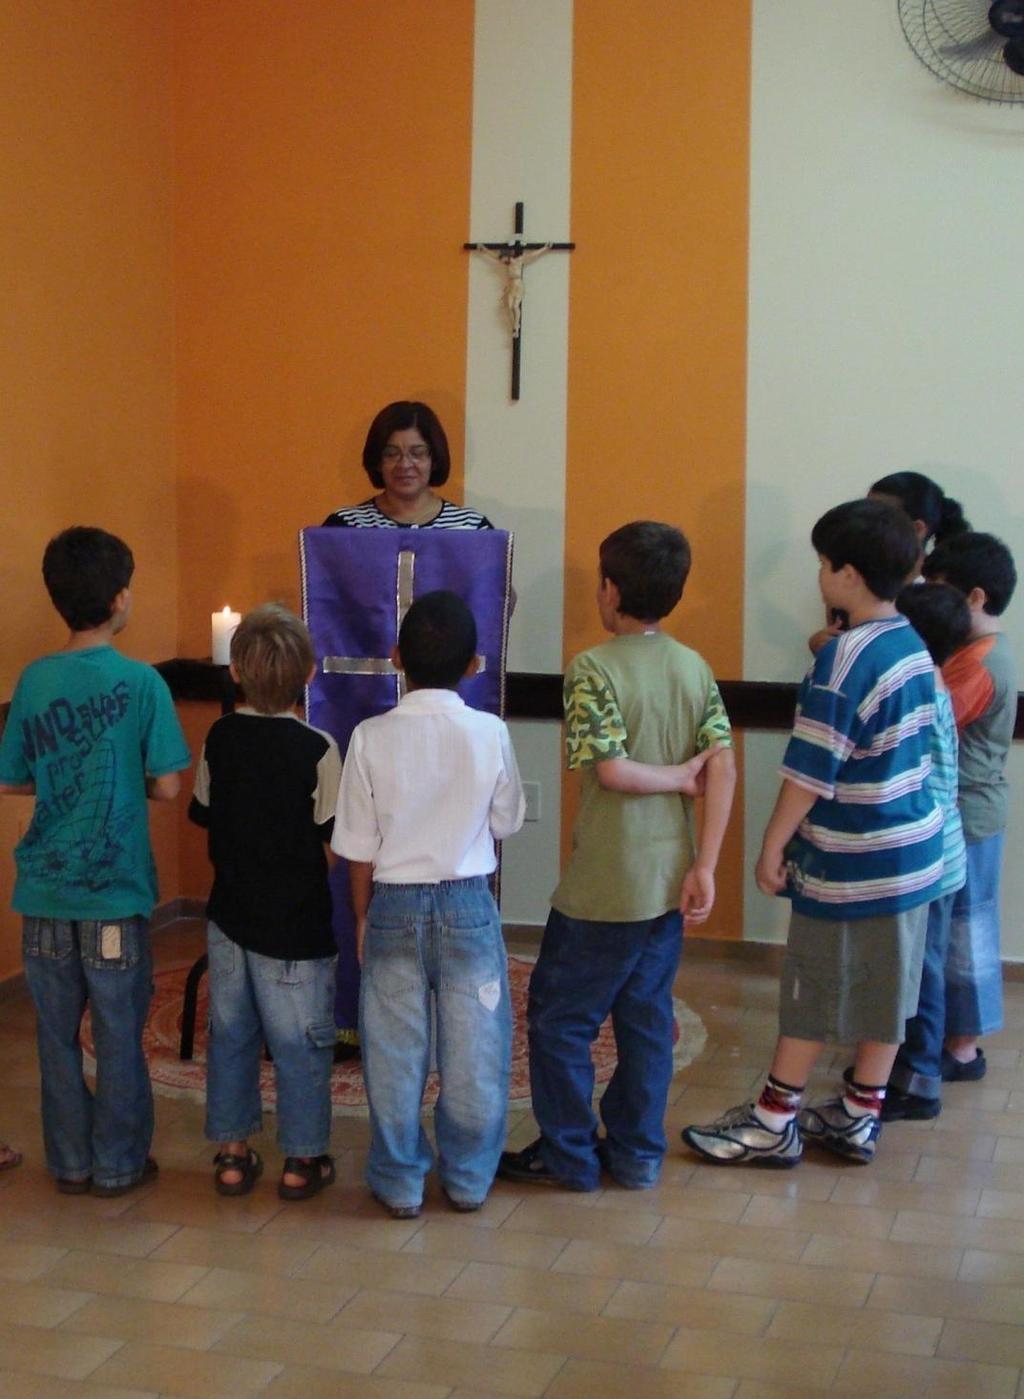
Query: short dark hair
x,y
875,538
649,563
272,652
923,499
939,614
976,560
437,640
84,569
397,417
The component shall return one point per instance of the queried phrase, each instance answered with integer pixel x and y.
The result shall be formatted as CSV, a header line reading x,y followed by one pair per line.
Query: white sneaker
x,y
740,1138
829,1125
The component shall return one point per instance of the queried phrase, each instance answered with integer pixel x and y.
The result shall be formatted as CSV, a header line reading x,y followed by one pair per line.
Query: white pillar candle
x,y
223,626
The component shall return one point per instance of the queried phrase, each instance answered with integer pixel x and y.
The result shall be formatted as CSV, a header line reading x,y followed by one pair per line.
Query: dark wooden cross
x,y
514,256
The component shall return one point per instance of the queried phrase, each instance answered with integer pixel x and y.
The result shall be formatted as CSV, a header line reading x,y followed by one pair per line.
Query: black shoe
x,y
909,1107
345,1051
527,1166
953,1071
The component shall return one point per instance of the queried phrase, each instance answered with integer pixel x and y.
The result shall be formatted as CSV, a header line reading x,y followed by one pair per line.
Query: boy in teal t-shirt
x,y
91,735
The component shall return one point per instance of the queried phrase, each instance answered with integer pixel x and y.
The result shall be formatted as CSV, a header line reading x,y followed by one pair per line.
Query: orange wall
x,y
657,352
323,159
86,355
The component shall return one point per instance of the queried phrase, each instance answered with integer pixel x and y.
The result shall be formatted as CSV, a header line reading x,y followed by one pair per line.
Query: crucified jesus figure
x,y
512,292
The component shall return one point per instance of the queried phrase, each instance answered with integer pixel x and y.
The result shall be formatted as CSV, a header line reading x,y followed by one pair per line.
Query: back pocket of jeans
x,y
46,937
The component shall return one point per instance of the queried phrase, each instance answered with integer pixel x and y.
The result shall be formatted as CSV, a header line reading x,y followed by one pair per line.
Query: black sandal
x,y
315,1175
250,1165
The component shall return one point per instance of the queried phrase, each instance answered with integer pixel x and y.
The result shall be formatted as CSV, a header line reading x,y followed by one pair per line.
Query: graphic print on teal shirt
x,y
86,728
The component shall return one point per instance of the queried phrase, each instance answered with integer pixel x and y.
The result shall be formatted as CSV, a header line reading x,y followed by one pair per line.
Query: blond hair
x,y
273,654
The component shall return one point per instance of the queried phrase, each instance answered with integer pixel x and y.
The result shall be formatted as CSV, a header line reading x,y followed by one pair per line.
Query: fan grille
x,y
954,41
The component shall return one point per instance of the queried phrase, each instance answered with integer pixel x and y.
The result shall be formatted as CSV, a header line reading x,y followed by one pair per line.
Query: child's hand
x,y
692,777
698,896
824,636
771,871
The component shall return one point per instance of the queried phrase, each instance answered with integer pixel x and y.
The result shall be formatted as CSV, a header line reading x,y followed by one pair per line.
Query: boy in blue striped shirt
x,y
855,841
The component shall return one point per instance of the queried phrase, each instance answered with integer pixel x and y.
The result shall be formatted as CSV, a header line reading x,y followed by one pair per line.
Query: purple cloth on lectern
x,y
354,585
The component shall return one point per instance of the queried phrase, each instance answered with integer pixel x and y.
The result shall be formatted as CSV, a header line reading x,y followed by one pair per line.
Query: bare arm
x,y
360,874
648,779
791,806
164,788
17,789
698,896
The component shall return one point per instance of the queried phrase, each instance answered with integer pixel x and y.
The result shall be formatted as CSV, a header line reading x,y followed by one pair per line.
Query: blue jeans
x,y
974,973
918,1066
441,943
587,971
255,998
106,1134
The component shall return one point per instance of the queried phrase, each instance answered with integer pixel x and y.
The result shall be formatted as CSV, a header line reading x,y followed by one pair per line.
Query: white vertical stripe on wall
x,y
515,452
884,326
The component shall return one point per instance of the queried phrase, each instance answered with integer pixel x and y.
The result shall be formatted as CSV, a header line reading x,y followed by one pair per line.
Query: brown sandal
x,y
315,1175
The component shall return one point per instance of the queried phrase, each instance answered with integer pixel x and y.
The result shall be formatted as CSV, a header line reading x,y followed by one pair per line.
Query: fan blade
x,y
984,46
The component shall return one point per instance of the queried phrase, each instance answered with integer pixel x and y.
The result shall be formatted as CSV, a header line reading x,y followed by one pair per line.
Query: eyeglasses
x,y
395,454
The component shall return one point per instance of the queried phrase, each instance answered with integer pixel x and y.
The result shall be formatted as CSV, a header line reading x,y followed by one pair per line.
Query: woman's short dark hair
x,y
939,614
437,640
877,539
397,417
649,563
84,569
924,500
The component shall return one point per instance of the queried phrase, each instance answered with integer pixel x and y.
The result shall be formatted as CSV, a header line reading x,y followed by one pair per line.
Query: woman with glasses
x,y
405,457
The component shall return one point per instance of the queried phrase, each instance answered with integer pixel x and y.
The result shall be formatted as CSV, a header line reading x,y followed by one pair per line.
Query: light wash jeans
x,y
288,1004
918,1066
441,943
974,973
106,1134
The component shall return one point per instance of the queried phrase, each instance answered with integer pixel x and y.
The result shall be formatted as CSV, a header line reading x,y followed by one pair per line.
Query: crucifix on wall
x,y
512,258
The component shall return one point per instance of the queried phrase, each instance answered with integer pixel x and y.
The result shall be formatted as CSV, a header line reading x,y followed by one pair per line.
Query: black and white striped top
x,y
370,516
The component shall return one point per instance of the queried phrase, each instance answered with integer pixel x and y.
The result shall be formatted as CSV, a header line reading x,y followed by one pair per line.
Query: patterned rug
x,y
177,1079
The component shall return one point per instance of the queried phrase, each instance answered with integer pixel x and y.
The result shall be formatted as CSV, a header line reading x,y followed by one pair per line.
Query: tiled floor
x,y
901,1278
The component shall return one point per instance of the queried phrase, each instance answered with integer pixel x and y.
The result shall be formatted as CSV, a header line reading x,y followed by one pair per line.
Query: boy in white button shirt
x,y
426,790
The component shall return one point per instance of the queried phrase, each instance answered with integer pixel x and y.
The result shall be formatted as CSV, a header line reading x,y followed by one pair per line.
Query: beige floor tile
x,y
190,1374
26,1386
549,1216
641,1263
190,1200
973,1116
868,1372
443,1240
987,1266
20,1262
692,1307
472,1366
377,1232
438,1318
130,1319
880,1256
397,1272
940,1170
778,1362
855,1326
856,1221
267,1294
988,1342
1001,1204
301,1382
865,1188
35,1304
123,1235
683,1201
810,1181
213,1248
757,1389
958,1145
590,1379
963,1300
588,1337
793,1281
739,1240
532,1287
48,1352
124,1277
329,1346
919,1226
1009,1150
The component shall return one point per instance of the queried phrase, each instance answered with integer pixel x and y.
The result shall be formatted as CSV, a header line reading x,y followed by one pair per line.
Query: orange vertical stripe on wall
x,y
657,344
323,166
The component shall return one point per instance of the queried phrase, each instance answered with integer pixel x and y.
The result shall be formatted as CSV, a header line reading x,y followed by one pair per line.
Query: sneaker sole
x,y
764,1163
